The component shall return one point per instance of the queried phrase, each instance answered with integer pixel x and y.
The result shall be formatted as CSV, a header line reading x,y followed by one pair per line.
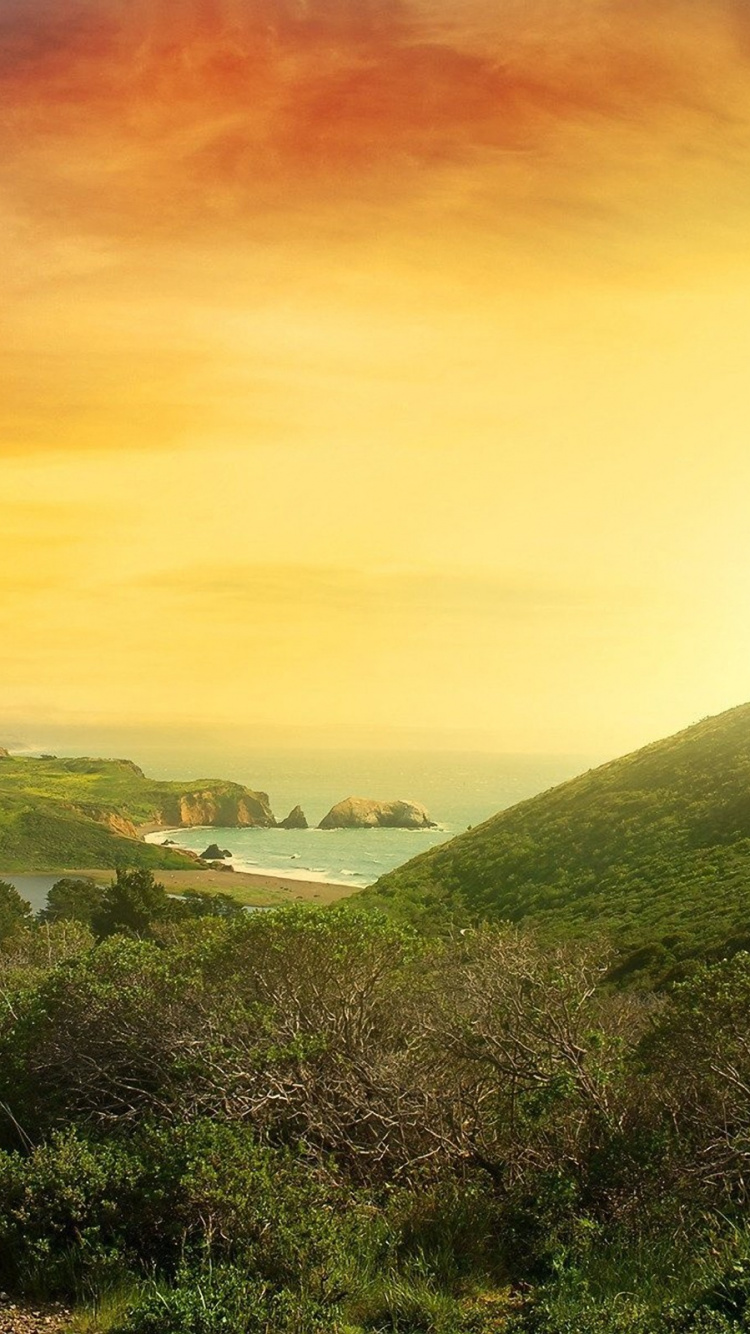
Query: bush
x,y
226,1301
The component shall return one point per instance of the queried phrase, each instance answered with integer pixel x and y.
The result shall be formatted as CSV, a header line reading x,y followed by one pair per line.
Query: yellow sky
x,y
376,365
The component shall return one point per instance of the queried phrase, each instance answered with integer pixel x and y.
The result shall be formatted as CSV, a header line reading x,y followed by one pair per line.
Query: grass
x,y
65,813
108,1311
116,786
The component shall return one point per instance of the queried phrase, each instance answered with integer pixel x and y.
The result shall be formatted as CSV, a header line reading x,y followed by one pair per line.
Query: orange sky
x,y
376,364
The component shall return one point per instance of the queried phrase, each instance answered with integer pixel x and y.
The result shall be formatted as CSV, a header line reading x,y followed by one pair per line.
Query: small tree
x,y
130,904
15,912
72,900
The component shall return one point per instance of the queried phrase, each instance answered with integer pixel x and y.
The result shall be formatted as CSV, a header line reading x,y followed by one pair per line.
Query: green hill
x,y
84,813
653,849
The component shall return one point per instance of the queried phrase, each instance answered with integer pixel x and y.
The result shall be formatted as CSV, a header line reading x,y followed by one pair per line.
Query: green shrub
x,y
62,1221
226,1301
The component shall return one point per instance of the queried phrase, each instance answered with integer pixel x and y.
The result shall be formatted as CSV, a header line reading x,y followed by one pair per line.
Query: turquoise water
x,y
338,856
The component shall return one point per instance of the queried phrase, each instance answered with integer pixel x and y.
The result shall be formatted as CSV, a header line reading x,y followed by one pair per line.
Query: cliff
x,y
363,813
217,804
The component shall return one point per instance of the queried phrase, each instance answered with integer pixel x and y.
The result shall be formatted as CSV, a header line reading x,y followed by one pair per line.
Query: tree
x,y
130,904
15,912
73,900
199,903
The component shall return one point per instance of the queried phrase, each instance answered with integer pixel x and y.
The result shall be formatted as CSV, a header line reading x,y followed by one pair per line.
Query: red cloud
x,y
178,108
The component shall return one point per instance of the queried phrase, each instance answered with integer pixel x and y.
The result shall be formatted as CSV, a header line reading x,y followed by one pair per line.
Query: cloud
x,y
159,113
238,591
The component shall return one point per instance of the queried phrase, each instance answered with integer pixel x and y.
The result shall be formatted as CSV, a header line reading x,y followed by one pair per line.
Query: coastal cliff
x,y
81,812
220,805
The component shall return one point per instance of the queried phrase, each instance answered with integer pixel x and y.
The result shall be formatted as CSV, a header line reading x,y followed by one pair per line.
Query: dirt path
x,y
23,1319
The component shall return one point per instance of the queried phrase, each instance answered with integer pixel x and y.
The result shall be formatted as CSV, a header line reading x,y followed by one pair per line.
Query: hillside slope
x,y
653,849
87,813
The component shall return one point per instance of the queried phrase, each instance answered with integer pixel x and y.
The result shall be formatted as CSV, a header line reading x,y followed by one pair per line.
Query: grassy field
x,y
67,813
117,786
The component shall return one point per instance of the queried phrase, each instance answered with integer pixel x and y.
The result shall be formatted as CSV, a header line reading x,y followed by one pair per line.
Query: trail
x,y
16,1318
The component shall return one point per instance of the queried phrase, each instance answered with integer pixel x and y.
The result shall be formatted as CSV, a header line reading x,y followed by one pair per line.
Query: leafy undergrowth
x,y
307,1122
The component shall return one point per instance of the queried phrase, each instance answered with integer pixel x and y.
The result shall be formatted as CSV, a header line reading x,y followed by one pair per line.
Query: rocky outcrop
x,y
119,824
361,813
214,853
4,754
296,819
220,807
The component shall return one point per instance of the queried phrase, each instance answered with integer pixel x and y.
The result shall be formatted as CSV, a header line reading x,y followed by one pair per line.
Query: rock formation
x,y
214,853
4,754
361,813
119,824
296,819
223,806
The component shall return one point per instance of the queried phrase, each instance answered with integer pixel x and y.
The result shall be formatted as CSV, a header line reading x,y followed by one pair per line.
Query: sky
x,y
375,367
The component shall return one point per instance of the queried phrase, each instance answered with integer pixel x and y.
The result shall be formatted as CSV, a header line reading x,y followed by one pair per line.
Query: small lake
x,y
33,888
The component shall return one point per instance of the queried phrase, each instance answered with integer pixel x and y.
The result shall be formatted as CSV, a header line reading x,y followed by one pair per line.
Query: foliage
x,y
15,912
73,899
653,848
131,902
305,1121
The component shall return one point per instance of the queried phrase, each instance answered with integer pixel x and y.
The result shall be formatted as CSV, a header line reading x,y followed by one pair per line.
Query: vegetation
x,y
652,850
310,1121
330,1122
83,813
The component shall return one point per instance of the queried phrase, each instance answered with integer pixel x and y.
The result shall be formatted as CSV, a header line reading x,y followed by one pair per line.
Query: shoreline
x,y
271,876
259,888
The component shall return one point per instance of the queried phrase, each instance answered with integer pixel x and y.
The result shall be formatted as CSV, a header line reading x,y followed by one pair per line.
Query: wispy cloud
x,y
168,112
236,591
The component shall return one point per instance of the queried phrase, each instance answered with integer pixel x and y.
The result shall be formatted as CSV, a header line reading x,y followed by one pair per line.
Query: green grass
x,y
54,813
116,786
653,849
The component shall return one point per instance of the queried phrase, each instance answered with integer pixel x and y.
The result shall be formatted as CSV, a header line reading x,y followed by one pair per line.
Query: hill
x,y
653,849
80,813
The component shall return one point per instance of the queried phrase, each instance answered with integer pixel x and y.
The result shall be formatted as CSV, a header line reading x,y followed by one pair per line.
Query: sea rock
x,y
362,813
296,819
214,853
